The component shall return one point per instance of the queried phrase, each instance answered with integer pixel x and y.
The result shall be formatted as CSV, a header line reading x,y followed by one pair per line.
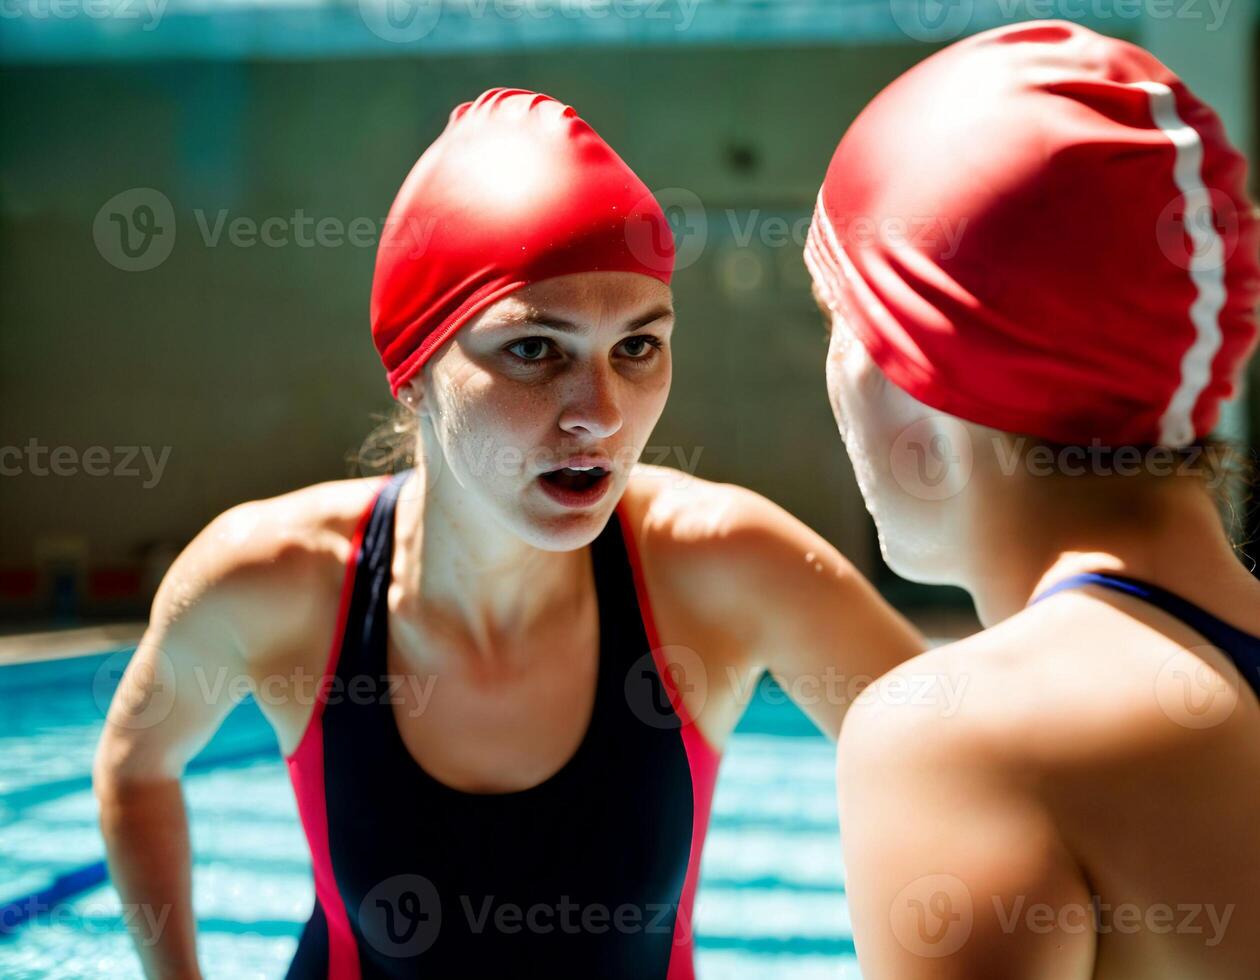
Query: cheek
x,y
835,382
859,400
847,384
640,402
648,397
488,424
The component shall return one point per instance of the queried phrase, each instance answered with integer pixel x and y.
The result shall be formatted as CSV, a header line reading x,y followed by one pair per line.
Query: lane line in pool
x,y
37,793
15,914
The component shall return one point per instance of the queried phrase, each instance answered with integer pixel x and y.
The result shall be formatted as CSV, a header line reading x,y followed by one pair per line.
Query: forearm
x,y
145,827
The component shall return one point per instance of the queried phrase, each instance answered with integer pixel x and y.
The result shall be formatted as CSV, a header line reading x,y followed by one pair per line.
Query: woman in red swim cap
x,y
1026,390
527,652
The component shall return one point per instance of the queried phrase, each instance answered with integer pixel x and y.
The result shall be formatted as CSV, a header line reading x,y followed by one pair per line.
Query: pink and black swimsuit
x,y
591,873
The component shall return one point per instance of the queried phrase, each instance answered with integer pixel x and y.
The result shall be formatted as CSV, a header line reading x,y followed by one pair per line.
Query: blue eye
x,y
530,349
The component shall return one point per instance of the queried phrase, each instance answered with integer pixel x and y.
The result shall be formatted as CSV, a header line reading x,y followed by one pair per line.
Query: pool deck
x,y
25,648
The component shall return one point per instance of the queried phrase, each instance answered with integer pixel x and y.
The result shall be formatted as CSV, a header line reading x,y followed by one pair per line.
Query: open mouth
x,y
576,486
575,479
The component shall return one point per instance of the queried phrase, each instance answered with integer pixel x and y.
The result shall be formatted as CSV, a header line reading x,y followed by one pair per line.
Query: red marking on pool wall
x,y
114,582
306,772
18,583
702,759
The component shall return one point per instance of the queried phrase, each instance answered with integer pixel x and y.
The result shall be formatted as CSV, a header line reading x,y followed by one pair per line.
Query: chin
x,y
568,532
565,531
919,559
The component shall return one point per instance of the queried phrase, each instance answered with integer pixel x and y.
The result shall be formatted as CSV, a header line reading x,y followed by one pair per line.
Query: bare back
x,y
1160,795
1102,813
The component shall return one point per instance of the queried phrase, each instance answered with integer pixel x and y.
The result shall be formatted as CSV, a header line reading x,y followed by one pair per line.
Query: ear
x,y
412,394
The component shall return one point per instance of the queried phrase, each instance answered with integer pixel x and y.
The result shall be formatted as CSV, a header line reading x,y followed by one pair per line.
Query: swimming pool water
x,y
771,900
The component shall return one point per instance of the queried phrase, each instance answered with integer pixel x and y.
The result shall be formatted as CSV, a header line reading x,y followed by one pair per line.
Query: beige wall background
x,y
252,367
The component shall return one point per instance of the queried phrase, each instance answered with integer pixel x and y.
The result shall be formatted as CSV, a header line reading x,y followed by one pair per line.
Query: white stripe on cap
x,y
1207,266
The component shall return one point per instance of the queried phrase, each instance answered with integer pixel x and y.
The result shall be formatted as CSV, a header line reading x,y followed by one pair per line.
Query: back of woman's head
x,y
1038,238
1041,230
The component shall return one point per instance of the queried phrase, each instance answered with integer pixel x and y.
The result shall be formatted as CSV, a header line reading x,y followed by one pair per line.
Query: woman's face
x,y
543,403
912,463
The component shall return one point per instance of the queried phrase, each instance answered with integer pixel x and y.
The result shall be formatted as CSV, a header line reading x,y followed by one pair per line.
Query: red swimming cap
x,y
517,189
1040,229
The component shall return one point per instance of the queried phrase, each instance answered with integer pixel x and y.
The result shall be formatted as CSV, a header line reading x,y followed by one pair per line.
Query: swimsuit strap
x,y
1242,648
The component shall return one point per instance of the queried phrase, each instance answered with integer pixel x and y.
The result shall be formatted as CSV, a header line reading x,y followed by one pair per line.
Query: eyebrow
x,y
539,319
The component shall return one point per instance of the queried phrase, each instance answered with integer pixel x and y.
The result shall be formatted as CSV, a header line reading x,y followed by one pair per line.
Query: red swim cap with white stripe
x,y
517,189
1040,229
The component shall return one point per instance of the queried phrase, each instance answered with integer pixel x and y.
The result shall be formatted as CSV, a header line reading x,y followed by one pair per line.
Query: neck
x,y
468,575
1164,531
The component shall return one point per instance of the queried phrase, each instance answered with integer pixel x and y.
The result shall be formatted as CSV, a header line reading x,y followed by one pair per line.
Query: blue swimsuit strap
x,y
1242,648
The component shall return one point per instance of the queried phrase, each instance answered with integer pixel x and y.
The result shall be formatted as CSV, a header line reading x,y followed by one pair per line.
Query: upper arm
x,y
191,665
812,619
954,869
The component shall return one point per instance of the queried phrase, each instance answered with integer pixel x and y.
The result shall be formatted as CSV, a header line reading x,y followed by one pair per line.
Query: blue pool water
x,y
771,900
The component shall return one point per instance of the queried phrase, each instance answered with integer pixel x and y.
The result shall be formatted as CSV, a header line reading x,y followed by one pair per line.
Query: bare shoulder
x,y
942,803
1066,751
710,533
1070,689
751,588
926,711
665,501
261,569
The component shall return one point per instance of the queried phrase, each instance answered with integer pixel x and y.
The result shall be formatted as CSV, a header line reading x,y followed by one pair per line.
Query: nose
x,y
591,408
